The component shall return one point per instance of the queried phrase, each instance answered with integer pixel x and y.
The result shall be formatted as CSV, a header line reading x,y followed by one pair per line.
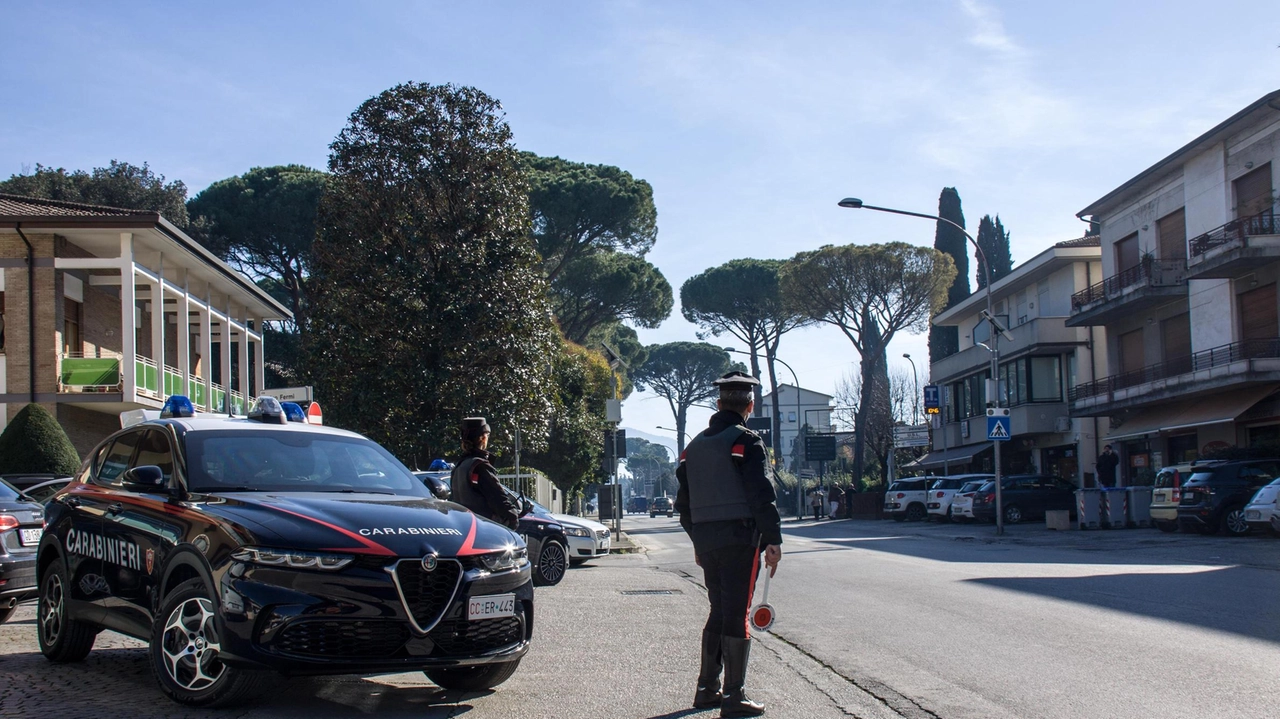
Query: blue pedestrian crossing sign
x,y
998,424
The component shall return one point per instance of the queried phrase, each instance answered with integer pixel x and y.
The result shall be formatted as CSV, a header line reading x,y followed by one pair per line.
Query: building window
x,y
1171,233
1253,192
71,316
1127,256
1258,316
1031,379
791,416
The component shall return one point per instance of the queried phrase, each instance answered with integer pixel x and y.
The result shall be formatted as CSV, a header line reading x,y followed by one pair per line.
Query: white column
x,y
244,363
224,356
128,333
206,349
259,372
184,334
157,325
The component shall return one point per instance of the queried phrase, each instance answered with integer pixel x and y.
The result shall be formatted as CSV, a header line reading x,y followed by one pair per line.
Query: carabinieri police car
x,y
239,547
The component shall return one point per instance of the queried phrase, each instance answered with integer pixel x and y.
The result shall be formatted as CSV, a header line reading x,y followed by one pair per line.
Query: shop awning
x,y
955,455
1195,412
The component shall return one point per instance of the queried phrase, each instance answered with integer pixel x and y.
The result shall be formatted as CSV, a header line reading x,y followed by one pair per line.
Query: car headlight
x,y
291,558
513,558
577,531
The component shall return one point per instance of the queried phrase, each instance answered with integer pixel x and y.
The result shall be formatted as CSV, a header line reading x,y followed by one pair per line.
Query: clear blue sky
x,y
750,119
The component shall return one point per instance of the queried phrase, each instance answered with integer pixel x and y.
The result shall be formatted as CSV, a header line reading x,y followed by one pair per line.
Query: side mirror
x,y
526,507
146,478
441,490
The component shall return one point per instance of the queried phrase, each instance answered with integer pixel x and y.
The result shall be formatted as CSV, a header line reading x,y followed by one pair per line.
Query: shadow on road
x,y
1238,600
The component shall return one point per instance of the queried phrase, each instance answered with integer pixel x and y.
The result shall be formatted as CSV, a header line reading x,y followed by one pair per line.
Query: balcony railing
x,y
1263,223
1206,359
1157,273
89,374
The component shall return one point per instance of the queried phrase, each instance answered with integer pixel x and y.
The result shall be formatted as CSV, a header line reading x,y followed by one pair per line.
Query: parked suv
x,y
1167,493
1214,497
905,499
943,491
1024,496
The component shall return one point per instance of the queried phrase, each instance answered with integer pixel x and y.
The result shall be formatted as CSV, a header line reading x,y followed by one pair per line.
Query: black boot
x,y
735,702
709,695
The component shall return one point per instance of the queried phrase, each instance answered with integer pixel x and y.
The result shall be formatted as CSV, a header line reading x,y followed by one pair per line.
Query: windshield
x,y
1201,477
7,492
294,462
1166,478
972,486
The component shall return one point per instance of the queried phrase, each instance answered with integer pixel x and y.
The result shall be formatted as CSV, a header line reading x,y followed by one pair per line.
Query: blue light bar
x,y
177,406
293,412
268,409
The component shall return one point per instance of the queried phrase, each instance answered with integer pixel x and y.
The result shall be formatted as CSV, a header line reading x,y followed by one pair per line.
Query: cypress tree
x,y
994,241
945,341
34,443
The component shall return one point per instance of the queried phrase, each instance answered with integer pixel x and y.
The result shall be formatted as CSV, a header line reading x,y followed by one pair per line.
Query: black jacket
x,y
765,522
498,505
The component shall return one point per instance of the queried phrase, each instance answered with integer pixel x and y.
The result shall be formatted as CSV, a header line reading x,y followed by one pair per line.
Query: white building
x,y
797,407
1190,265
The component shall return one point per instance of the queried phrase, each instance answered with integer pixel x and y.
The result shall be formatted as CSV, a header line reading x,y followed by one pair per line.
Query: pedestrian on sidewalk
x,y
1107,463
816,500
728,507
834,497
474,482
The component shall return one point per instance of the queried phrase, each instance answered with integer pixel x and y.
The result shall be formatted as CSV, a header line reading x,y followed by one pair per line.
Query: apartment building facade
x,y
106,310
1037,369
797,407
1190,261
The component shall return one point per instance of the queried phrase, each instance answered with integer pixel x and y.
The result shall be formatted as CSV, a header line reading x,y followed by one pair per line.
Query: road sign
x,y
314,415
762,426
998,428
911,436
290,394
932,397
819,447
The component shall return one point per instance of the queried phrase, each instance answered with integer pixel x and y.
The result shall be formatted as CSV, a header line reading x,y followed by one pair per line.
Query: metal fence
x,y
1263,223
1205,359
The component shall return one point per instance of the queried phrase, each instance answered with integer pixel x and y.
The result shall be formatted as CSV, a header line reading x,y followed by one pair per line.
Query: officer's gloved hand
x,y
772,555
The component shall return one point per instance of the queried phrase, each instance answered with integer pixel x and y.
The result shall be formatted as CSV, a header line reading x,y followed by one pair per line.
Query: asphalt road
x,y
948,621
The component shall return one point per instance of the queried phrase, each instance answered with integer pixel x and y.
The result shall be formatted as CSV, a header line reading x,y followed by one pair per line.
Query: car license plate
x,y
1251,514
492,606
29,537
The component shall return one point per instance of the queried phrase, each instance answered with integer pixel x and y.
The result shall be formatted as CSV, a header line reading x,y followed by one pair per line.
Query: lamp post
x,y
997,330
778,429
915,376
674,431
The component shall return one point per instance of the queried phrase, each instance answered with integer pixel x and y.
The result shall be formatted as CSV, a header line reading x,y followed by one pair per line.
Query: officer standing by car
x,y
474,482
727,506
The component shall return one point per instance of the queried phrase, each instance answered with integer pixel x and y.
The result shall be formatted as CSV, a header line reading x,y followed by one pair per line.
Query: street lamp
x,y
778,429
997,331
674,431
915,404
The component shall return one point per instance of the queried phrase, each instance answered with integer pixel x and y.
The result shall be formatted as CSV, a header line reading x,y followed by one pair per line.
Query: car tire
x,y
670,515
916,513
61,638
185,640
1166,526
553,560
947,518
1233,521
1012,514
472,679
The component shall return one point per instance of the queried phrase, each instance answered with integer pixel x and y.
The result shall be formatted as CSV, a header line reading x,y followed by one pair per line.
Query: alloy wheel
x,y
1236,523
552,563
1012,515
190,645
52,609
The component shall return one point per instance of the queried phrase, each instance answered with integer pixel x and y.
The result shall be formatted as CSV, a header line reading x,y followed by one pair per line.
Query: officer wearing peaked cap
x,y
728,507
474,482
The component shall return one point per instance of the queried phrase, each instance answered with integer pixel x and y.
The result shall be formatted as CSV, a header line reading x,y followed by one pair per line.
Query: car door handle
x,y
72,501
115,508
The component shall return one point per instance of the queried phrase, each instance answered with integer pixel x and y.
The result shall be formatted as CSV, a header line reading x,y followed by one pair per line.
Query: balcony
x,y
1041,333
1236,248
1148,283
1229,366
102,375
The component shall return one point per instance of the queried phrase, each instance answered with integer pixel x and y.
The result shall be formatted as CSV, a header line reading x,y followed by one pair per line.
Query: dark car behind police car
x,y
238,547
21,520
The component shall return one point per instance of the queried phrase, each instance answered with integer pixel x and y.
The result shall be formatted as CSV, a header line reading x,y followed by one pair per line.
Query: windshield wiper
x,y
355,491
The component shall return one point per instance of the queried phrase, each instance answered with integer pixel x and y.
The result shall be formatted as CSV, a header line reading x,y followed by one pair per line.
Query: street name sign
x,y
998,429
911,436
290,394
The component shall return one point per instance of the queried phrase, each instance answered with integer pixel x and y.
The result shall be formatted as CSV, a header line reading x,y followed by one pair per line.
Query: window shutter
x,y
1127,253
1253,191
1176,332
1172,232
1258,319
1131,354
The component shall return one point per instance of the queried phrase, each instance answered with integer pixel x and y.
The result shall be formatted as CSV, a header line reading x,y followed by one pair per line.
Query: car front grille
x,y
459,636
342,638
426,595
602,533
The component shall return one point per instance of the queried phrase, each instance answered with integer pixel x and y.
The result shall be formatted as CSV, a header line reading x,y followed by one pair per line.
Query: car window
x,y
116,459
1166,478
1201,476
971,486
44,491
1026,483
7,492
154,449
292,461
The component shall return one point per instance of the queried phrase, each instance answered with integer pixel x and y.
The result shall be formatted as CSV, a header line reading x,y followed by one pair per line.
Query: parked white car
x,y
962,500
941,492
588,538
1262,507
904,500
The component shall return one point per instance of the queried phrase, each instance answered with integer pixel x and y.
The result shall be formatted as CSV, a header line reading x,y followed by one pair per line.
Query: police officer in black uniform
x,y
474,482
727,506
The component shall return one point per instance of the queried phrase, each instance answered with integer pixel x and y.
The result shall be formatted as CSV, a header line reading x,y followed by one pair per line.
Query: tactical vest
x,y
716,492
464,492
